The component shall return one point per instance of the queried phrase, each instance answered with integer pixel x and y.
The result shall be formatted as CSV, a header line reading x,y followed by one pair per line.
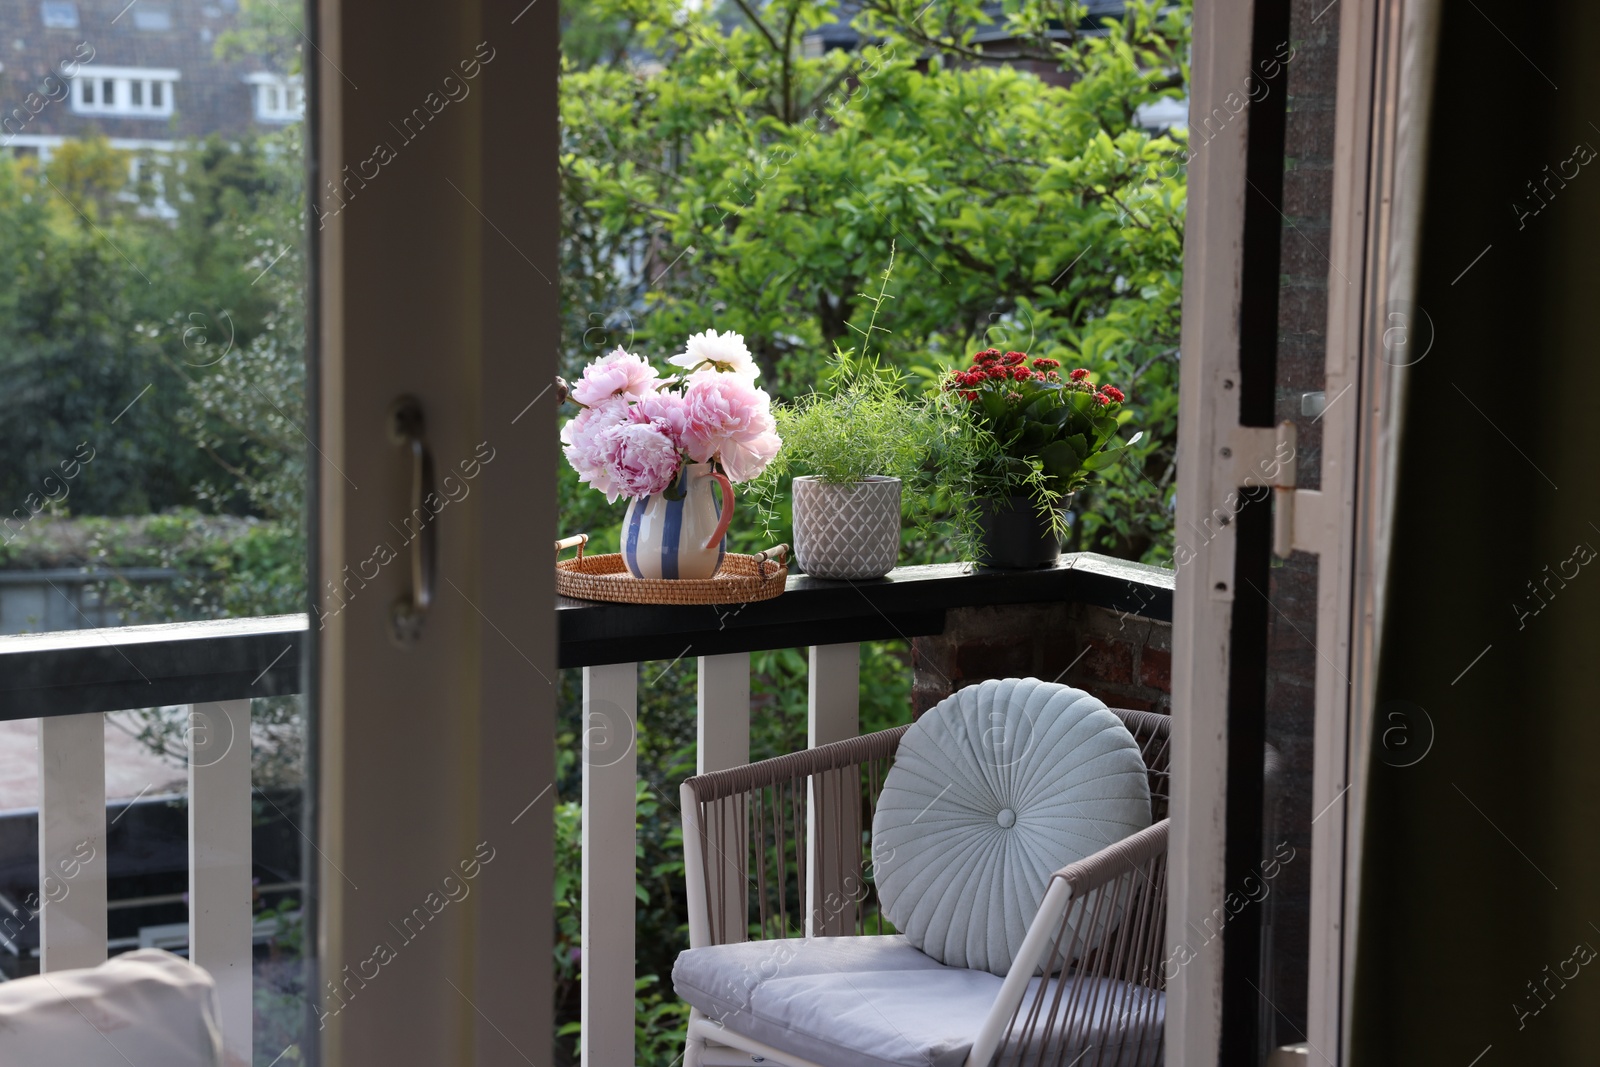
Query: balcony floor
x,y
130,767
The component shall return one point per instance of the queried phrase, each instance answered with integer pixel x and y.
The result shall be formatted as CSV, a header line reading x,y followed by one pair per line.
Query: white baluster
x,y
834,691
610,715
72,841
724,741
220,906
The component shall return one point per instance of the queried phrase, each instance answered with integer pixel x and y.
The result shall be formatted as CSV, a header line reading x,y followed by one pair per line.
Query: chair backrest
x,y
755,867
1153,731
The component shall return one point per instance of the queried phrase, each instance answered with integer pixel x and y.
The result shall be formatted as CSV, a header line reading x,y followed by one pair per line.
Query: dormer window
x,y
132,92
59,14
147,17
278,98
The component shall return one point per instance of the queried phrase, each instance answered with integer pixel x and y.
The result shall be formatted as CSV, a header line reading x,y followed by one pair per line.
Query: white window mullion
x,y
132,91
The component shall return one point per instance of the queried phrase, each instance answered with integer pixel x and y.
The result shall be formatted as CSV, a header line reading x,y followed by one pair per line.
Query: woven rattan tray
x,y
739,580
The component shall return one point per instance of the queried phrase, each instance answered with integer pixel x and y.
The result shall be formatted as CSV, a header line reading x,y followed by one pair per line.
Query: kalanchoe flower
x,y
1030,406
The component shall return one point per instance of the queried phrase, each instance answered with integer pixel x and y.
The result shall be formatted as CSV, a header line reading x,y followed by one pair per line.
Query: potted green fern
x,y
848,450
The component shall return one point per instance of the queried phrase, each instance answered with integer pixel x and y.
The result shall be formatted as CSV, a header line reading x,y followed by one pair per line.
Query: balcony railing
x,y
830,618
213,669
68,680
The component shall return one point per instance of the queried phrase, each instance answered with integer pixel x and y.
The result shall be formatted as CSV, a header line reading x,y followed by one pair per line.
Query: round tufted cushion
x,y
992,791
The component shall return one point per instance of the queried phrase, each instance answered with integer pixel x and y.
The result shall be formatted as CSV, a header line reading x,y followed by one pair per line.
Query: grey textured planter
x,y
850,530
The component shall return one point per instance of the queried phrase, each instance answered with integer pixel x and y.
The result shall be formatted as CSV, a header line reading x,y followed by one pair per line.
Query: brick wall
x,y
1123,659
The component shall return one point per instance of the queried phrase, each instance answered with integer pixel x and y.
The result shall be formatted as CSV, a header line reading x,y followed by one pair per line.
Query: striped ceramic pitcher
x,y
682,538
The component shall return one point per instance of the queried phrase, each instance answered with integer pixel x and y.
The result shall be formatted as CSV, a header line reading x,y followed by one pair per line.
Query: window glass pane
x,y
152,350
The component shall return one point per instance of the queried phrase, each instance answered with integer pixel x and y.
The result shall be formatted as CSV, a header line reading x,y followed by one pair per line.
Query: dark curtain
x,y
1480,905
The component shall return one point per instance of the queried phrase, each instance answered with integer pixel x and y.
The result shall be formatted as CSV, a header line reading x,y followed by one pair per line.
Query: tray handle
x,y
775,555
575,541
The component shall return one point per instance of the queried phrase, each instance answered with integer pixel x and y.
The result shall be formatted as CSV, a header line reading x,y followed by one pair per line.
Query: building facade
x,y
145,75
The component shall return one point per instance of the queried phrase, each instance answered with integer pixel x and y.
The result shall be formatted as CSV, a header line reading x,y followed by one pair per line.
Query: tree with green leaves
x,y
736,179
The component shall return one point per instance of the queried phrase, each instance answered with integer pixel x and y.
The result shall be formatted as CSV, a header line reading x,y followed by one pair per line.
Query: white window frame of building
x,y
59,14
278,98
128,92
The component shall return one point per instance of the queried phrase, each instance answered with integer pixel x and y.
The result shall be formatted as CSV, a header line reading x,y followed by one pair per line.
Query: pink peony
x,y
619,374
724,352
665,411
641,457
580,438
744,461
727,414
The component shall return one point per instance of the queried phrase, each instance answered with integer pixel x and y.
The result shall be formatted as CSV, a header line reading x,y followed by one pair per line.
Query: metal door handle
x,y
406,427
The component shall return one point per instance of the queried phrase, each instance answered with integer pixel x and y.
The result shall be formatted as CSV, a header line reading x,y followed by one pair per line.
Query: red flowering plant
x,y
1041,433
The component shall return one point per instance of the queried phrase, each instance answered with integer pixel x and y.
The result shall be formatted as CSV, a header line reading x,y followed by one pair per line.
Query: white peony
x,y
720,352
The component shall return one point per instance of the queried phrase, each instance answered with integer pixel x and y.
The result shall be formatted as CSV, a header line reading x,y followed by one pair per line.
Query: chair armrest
x,y
1092,872
726,815
794,766
1127,860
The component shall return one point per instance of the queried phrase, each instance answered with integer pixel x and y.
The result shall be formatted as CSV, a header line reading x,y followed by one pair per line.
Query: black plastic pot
x,y
1015,535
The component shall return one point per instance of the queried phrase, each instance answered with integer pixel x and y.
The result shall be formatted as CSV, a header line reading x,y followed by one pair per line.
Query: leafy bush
x,y
740,183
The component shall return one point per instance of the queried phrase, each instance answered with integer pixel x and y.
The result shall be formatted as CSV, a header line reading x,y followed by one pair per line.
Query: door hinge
x,y
1268,456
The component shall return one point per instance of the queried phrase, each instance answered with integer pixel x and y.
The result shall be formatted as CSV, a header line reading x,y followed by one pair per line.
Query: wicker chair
x,y
745,847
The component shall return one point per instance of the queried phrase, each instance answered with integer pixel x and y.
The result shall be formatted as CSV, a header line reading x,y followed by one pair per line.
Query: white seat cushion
x,y
145,1007
878,1002
993,790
